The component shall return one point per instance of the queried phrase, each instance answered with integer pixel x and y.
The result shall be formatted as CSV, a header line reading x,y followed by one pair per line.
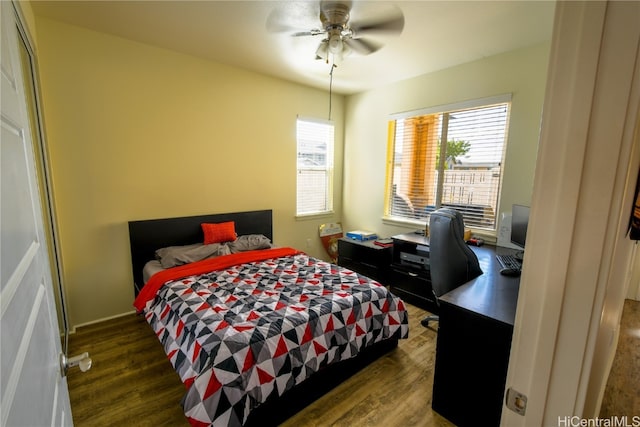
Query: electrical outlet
x,y
504,233
308,243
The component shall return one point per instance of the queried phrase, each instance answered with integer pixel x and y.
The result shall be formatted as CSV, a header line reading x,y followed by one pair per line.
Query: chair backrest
x,y
452,262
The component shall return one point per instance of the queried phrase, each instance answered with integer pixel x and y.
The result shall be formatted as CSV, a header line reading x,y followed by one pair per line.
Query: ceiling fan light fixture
x,y
323,50
335,43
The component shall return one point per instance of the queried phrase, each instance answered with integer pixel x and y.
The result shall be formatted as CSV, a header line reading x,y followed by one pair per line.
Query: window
x,y
466,177
315,166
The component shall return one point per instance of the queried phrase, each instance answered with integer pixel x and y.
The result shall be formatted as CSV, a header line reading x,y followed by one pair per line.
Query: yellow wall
x,y
521,73
138,132
24,8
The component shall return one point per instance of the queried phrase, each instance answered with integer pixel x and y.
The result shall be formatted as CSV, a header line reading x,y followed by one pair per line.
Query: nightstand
x,y
365,258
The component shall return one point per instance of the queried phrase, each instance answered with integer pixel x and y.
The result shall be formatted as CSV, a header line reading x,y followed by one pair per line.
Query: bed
x,y
249,327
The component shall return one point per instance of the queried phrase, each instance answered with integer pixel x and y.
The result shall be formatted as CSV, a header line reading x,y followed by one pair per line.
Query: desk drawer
x,y
412,283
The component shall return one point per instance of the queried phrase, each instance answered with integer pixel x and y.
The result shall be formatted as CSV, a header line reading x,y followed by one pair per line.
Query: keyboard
x,y
509,261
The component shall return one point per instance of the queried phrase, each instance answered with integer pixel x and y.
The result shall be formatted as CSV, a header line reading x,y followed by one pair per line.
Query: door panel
x,y
33,388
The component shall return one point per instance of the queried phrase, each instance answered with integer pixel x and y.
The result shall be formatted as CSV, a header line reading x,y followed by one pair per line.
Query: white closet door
x,y
33,388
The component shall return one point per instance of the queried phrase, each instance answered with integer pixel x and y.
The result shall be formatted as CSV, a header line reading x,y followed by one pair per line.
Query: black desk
x,y
474,341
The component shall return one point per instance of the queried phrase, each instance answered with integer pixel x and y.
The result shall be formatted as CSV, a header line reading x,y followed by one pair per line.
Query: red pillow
x,y
219,233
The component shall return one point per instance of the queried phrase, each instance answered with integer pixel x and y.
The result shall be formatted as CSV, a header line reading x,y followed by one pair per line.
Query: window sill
x,y
488,237
404,222
306,217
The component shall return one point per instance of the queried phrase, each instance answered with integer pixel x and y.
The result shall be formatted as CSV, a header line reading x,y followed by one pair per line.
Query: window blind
x,y
451,158
315,140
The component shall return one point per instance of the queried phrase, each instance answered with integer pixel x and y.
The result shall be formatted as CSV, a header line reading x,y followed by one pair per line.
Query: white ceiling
x,y
436,35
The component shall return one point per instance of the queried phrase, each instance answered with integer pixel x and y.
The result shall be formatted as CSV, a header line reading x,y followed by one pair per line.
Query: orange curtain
x,y
423,155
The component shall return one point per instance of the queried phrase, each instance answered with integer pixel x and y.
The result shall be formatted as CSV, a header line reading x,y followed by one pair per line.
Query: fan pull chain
x,y
333,66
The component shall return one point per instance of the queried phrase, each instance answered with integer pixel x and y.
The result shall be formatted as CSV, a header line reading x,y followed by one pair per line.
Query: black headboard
x,y
146,236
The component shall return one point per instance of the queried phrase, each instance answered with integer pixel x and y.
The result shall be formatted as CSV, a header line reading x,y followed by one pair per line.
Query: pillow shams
x,y
249,242
173,256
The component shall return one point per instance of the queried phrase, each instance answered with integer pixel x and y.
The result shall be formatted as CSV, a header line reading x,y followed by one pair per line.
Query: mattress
x,y
151,268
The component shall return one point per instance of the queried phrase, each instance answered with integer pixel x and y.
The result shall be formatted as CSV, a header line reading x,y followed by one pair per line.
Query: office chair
x,y
452,262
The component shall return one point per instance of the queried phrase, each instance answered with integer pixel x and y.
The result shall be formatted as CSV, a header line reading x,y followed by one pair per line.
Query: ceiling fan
x,y
340,34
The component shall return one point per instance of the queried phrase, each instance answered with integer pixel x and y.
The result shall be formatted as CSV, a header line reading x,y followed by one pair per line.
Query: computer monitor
x,y
519,223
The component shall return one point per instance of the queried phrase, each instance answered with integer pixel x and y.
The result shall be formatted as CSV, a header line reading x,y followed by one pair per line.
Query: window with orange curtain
x,y
472,137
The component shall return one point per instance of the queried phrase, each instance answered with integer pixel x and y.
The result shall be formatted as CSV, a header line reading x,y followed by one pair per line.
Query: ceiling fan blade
x,y
362,46
392,23
314,32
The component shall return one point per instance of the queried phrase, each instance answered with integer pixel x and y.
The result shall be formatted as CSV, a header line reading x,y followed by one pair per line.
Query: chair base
x,y
425,322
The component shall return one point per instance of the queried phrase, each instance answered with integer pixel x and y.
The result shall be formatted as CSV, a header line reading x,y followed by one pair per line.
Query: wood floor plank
x,y
133,383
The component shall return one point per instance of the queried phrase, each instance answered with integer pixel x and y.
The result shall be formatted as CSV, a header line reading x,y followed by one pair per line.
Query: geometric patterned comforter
x,y
241,334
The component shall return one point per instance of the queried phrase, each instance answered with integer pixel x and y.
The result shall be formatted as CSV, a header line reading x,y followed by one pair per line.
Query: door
x,y
577,267
32,383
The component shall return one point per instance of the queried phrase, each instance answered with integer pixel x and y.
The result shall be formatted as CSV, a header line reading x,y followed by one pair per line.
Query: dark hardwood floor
x,y
133,383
